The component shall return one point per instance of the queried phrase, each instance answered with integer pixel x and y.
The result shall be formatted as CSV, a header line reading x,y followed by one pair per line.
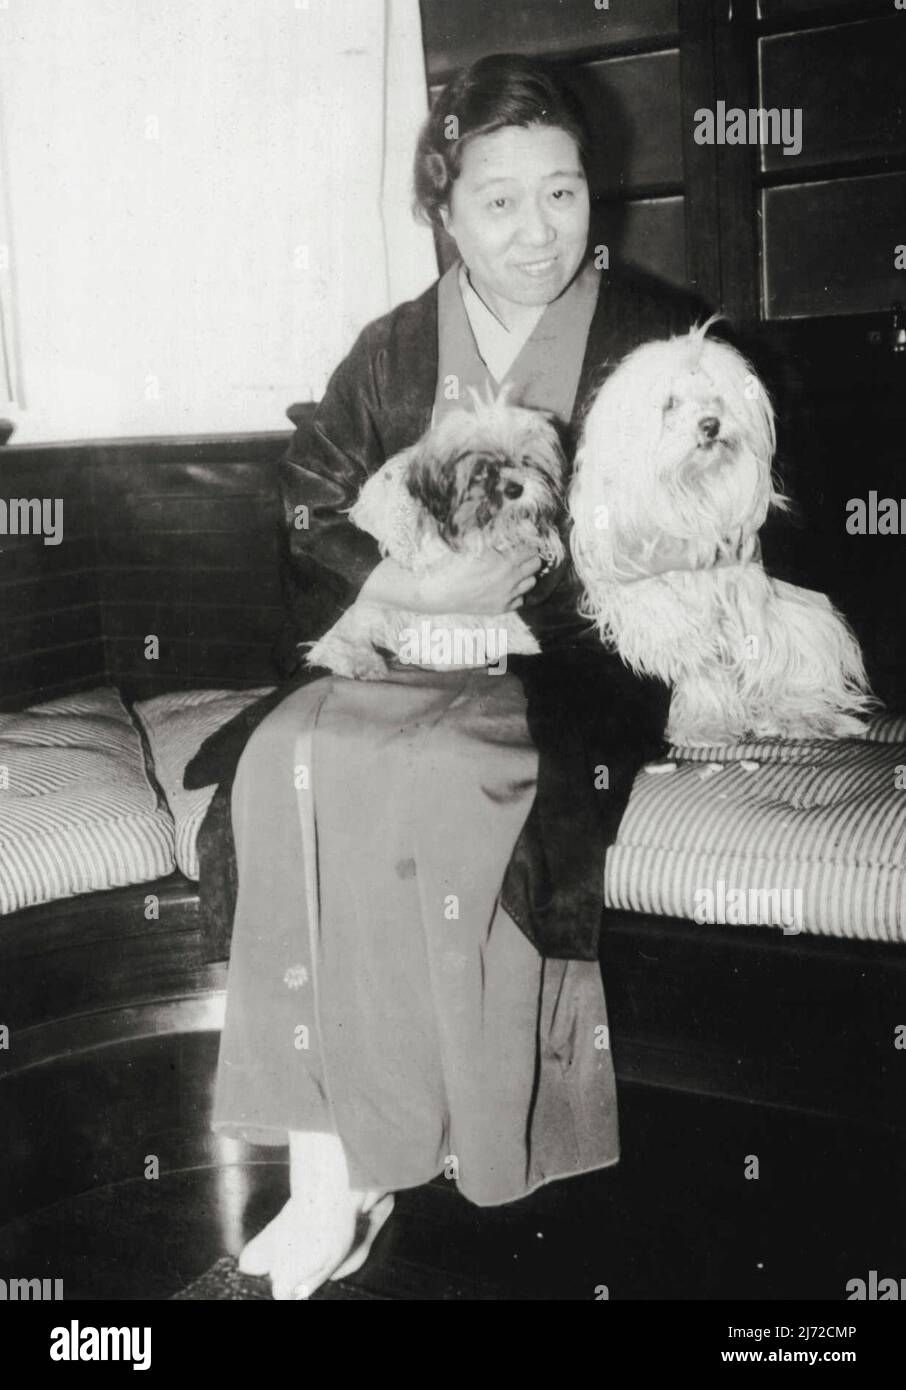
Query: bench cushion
x,y
822,819
176,725
78,811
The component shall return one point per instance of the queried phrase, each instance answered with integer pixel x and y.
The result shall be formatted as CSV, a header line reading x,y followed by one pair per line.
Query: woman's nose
x,y
535,229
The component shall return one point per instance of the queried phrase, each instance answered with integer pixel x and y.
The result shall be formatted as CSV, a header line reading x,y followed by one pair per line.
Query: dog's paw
x,y
827,724
366,667
359,661
702,736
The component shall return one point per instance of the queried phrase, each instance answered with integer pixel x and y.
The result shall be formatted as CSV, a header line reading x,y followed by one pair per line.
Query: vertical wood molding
x,y
698,79
736,62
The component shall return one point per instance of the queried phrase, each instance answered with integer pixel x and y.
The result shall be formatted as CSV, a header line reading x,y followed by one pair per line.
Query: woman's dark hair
x,y
501,90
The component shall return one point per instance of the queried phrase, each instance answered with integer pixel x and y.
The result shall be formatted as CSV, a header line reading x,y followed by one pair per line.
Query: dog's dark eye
x,y
482,468
513,490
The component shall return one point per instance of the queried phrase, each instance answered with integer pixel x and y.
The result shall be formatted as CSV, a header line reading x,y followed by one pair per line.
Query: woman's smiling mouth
x,y
539,267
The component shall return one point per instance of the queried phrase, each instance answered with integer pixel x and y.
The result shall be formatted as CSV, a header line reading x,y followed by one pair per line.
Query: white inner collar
x,y
498,346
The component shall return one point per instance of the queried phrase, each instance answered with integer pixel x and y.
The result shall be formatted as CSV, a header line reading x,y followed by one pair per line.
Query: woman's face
x,y
519,215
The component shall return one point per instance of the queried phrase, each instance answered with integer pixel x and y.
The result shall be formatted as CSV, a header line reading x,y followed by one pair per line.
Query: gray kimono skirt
x,y
377,989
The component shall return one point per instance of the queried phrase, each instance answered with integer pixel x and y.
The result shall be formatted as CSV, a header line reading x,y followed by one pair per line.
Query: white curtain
x,y
207,201
361,99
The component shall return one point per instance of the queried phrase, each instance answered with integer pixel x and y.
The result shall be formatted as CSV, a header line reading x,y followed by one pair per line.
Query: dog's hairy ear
x,y
557,442
431,485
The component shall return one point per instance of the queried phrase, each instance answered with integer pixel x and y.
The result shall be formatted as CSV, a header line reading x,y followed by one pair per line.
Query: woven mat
x,y
223,1282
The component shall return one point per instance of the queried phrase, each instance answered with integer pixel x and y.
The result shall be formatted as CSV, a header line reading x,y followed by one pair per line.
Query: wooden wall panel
x,y
227,588
252,624
50,593
843,416
188,665
787,11
735,238
172,538
33,677
634,107
848,80
649,233
188,540
698,81
28,631
457,34
140,516
189,473
829,247
195,552
50,622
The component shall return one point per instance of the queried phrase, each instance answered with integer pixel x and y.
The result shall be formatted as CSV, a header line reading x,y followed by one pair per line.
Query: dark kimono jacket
x,y
586,712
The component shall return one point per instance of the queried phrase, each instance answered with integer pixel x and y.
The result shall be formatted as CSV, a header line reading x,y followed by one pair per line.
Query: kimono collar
x,y
545,372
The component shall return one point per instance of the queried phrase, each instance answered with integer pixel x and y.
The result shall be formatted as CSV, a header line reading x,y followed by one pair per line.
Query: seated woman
x,y
385,1011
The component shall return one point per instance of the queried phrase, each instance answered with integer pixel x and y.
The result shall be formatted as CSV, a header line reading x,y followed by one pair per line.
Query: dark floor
x,y
677,1219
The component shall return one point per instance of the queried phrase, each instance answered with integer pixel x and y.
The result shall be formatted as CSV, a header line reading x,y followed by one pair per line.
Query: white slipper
x,y
375,1217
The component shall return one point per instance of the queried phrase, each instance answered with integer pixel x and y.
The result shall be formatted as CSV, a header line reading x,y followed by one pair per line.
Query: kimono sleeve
x,y
325,559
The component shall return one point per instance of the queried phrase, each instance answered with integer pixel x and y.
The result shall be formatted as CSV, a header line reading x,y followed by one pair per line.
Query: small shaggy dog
x,y
679,444
489,477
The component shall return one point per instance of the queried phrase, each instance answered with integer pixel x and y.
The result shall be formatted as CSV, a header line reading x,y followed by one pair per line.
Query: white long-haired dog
x,y
490,477
678,444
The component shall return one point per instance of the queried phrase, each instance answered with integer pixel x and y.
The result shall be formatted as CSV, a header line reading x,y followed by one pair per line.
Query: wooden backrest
x,y
173,539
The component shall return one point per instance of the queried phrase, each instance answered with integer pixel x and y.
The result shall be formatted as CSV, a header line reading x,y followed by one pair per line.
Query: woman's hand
x,y
491,583
662,554
657,555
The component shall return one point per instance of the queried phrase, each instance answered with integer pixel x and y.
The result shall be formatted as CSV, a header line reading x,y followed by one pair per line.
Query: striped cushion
x,y
821,816
883,728
77,810
177,725
824,818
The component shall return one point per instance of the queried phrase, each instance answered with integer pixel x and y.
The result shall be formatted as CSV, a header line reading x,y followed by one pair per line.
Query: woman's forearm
x,y
489,583
390,584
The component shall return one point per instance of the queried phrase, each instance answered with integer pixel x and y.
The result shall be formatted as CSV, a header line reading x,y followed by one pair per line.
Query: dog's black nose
x,y
709,426
513,490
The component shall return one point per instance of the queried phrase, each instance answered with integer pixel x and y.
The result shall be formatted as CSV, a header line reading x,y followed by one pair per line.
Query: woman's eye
x,y
499,204
563,195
